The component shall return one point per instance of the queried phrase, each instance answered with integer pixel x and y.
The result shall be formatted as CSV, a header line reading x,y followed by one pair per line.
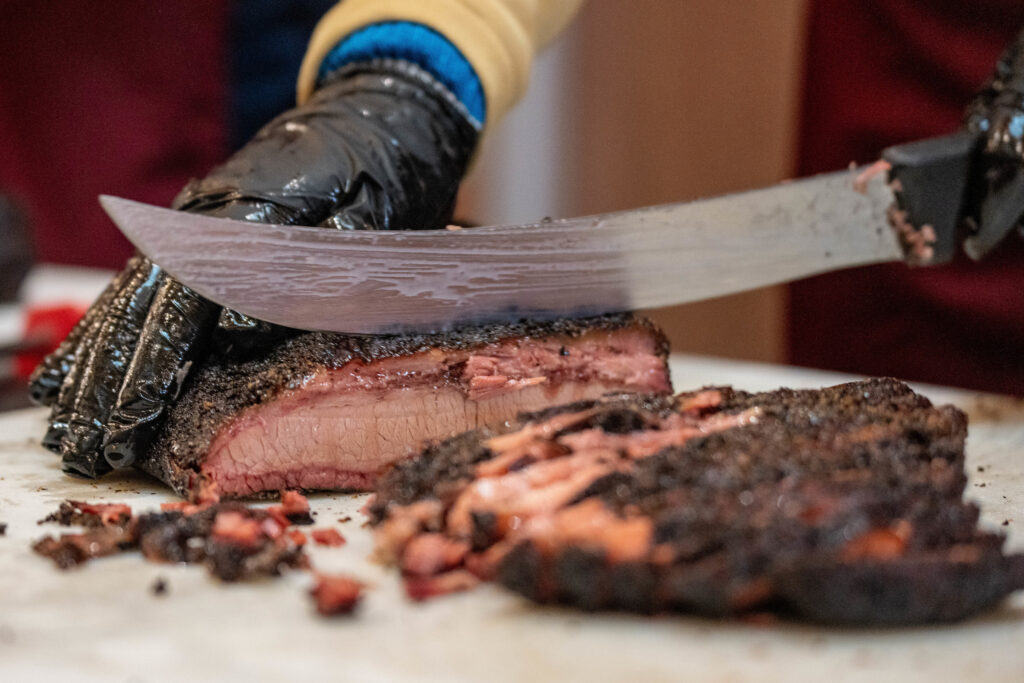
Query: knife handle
x,y
930,181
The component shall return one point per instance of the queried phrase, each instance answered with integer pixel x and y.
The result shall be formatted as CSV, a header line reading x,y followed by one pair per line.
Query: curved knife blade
x,y
388,282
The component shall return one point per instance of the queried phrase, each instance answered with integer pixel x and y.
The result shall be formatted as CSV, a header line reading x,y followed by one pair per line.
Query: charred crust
x,y
524,571
440,469
485,530
580,578
901,593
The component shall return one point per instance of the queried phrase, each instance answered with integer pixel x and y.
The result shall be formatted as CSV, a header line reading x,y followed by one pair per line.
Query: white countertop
x,y
101,622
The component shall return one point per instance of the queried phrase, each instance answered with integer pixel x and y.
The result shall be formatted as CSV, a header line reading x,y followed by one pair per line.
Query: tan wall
x,y
677,99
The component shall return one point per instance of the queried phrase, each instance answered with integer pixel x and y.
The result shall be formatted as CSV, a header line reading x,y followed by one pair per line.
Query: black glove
x,y
381,145
996,193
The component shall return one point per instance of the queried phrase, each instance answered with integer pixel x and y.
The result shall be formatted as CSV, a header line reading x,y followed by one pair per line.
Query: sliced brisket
x,y
840,505
328,411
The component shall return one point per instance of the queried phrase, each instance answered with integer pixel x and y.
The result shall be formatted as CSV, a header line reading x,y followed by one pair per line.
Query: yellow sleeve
x,y
499,38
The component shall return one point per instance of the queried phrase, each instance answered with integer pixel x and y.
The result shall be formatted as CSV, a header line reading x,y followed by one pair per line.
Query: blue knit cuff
x,y
414,43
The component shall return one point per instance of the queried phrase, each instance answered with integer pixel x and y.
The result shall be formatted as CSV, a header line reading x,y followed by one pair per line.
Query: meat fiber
x,y
840,505
327,411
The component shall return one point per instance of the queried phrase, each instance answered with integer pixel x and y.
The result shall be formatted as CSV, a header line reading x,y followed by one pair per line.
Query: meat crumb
x,y
1006,522
980,468
296,507
77,513
336,594
346,518
184,507
3,528
236,527
328,537
420,588
159,587
860,183
233,541
72,550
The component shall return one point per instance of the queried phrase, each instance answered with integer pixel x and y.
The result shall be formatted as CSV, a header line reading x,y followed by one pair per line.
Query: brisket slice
x,y
841,505
328,411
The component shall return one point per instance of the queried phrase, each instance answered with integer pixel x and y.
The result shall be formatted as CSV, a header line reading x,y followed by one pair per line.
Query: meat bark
x,y
327,411
842,505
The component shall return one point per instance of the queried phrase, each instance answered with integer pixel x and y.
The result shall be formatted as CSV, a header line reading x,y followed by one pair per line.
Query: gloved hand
x,y
996,192
380,145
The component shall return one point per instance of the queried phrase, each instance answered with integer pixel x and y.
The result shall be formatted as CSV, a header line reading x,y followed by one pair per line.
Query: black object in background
x,y
15,249
267,41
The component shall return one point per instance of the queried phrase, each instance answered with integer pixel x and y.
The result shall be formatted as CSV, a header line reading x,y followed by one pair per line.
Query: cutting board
x,y
102,622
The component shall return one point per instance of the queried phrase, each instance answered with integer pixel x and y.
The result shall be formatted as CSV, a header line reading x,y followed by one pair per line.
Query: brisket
x,y
328,411
841,505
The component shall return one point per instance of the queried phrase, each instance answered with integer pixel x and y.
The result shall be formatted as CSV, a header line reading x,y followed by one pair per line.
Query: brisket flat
x,y
841,505
328,411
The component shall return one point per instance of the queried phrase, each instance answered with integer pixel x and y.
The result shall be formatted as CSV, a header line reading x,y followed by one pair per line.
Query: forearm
x,y
498,39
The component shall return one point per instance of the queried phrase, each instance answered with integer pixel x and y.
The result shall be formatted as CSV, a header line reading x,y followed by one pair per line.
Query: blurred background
x,y
658,101
639,102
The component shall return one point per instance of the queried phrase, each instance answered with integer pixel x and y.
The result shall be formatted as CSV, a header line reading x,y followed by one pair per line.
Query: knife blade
x,y
431,280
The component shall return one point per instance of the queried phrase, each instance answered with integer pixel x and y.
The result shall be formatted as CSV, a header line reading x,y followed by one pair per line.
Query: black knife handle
x,y
930,181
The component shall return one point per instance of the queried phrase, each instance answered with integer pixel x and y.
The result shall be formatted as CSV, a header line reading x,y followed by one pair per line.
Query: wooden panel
x,y
675,100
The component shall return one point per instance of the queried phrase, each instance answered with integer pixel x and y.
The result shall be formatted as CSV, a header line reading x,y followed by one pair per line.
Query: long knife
x,y
428,280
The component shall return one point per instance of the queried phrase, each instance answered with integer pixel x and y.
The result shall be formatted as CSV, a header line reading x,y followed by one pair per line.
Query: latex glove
x,y
380,145
996,192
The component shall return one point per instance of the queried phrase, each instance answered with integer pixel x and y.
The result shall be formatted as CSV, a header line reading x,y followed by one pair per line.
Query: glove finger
x,y
176,331
103,372
45,381
61,410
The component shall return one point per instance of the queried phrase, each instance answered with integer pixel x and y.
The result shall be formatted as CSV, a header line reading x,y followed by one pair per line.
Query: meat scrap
x,y
234,542
420,588
159,587
328,537
336,594
77,513
71,550
3,528
184,507
296,507
841,505
318,411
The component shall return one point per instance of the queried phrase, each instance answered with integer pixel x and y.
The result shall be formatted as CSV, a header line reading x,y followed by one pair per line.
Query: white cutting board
x,y
102,623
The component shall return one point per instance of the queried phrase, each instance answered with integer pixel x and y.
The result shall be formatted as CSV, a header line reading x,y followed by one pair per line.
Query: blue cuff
x,y
414,43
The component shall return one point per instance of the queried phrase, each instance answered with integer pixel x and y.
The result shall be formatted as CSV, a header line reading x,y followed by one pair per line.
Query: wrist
x,y
415,44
